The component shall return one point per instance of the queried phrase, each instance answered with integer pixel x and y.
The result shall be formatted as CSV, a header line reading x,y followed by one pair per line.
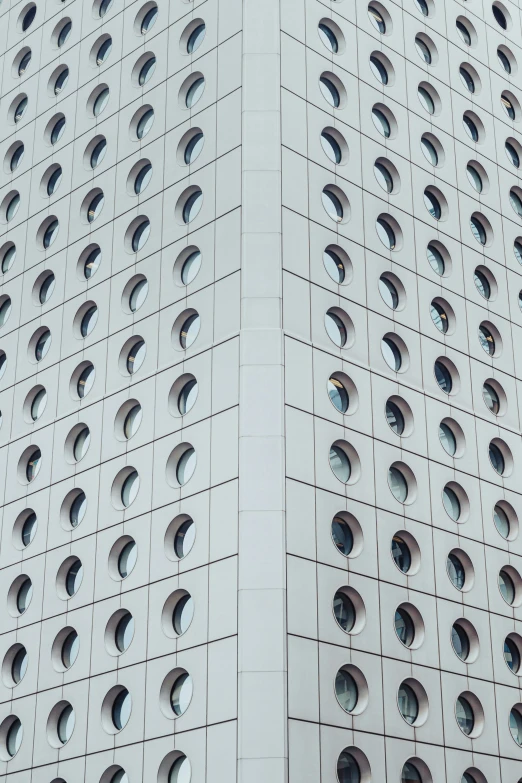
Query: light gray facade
x,y
260,328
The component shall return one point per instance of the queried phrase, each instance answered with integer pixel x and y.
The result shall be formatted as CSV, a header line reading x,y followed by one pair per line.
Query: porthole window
x,y
436,259
331,147
5,311
14,737
124,632
467,79
346,690
24,596
54,180
140,235
15,665
196,38
81,444
447,439
148,20
73,578
3,363
183,614
328,37
334,265
121,709
348,770
515,724
61,80
57,130
8,258
451,503
103,7
404,626
24,62
333,203
381,122
132,421
383,176
69,649
340,463
516,201
103,51
65,724
410,774
386,233
474,177
20,109
499,16
142,178
443,377
129,489
497,458
501,521
508,104
398,484
460,641
330,92
193,147
77,509
379,70
187,396
471,128
335,329
17,156
429,151
64,34
456,571
88,321
12,207
504,59
337,394
432,204
463,32
146,71
344,611
127,559
486,339
465,715
512,154
85,381
181,694
426,100
28,18
423,49
33,465
439,316
94,207
408,703
512,653
189,331
28,530
186,466
391,354
377,18
478,229
184,538
145,123
50,234
482,283
136,357
401,554
180,771
342,536
394,417
100,102
192,206
194,92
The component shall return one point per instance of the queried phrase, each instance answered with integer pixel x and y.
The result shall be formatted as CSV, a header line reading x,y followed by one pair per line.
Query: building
x,y
260,328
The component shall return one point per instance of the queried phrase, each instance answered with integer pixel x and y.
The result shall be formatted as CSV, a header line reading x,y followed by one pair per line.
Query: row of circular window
x,y
139,177
29,12
428,8
382,68
142,72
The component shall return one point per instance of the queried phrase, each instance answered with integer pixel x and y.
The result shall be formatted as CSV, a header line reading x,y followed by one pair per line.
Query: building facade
x,y
260,329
